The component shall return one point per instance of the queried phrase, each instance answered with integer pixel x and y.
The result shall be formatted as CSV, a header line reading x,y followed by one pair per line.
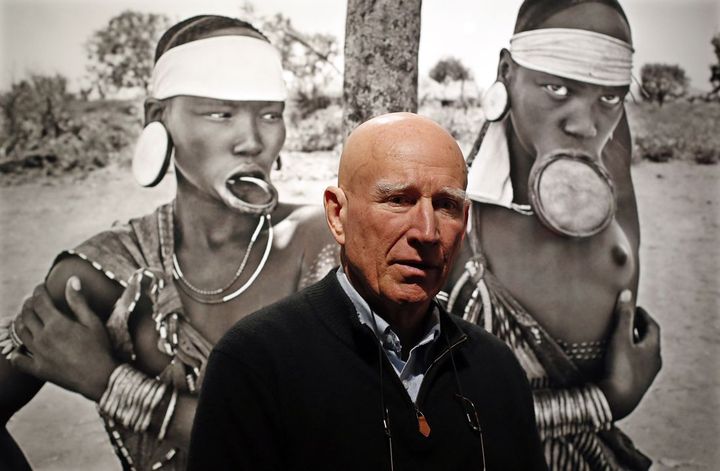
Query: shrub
x,y
87,136
661,82
655,149
320,130
706,155
681,125
462,124
34,111
449,68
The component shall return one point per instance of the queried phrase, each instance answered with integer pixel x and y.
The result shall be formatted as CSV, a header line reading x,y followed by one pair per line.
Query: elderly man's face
x,y
405,214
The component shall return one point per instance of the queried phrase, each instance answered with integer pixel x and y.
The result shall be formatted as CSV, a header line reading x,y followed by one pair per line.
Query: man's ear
x,y
154,109
335,204
466,213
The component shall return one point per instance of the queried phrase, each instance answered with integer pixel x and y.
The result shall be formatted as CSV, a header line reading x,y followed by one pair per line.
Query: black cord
x,y
384,411
467,405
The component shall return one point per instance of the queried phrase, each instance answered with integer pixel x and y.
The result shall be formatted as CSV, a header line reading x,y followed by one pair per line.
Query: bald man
x,y
364,370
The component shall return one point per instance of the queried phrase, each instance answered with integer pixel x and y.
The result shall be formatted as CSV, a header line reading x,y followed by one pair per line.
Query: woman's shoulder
x,y
303,222
302,213
103,263
100,288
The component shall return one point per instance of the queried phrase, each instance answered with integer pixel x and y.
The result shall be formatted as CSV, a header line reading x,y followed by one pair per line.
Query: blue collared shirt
x,y
412,371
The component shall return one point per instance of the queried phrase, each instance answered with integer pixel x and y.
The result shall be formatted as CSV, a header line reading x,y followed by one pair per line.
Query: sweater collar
x,y
337,311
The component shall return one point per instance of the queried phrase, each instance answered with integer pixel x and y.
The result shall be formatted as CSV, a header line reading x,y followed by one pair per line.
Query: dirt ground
x,y
677,423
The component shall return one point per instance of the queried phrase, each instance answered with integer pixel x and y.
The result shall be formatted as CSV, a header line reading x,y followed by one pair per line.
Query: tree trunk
x,y
382,38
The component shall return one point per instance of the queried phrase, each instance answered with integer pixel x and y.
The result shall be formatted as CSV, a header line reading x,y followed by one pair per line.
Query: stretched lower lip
x,y
250,188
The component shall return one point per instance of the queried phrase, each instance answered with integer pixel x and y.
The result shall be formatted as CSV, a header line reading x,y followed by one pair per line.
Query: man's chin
x,y
413,293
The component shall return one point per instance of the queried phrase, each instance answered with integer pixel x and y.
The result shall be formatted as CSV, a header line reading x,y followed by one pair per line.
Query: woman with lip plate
x,y
550,264
166,286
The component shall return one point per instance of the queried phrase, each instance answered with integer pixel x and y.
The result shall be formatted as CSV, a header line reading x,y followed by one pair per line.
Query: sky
x,y
48,36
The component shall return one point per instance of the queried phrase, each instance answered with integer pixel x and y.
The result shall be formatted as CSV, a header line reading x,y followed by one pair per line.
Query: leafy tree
x,y
661,82
121,54
309,58
46,129
34,110
382,38
449,68
715,68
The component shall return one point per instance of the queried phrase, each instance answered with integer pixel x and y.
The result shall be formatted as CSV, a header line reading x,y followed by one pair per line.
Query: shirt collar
x,y
384,333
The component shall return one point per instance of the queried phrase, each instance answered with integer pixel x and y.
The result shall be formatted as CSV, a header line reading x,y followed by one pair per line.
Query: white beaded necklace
x,y
193,291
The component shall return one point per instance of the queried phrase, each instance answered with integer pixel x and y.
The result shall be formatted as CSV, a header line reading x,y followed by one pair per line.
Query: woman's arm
x,y
68,347
16,390
632,362
55,350
71,348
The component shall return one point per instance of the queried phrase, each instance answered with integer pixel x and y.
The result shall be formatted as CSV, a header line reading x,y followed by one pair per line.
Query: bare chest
x,y
278,278
570,285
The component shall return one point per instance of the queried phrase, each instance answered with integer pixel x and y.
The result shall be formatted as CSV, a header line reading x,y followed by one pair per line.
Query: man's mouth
x,y
416,267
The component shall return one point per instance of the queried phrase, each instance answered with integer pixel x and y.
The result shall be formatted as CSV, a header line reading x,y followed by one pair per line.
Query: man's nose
x,y
247,137
580,122
424,224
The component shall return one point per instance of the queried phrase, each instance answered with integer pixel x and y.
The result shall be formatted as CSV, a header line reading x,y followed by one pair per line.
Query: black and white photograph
x,y
359,234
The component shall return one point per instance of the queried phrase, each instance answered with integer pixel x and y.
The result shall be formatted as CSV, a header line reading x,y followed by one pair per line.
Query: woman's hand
x,y
74,353
633,357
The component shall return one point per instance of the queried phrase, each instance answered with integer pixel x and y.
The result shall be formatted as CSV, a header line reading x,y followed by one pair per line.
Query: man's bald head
x,y
399,210
395,136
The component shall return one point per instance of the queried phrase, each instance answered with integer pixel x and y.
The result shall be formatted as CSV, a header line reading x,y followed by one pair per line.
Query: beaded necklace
x,y
197,294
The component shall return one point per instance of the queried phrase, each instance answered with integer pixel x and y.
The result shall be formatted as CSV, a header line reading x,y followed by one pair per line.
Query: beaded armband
x,y
131,397
571,411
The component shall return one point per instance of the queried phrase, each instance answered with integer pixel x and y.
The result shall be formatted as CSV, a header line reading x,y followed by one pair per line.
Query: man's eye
x,y
399,200
447,204
557,90
610,99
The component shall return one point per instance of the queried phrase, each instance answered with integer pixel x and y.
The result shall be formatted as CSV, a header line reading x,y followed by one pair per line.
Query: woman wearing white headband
x,y
551,263
166,286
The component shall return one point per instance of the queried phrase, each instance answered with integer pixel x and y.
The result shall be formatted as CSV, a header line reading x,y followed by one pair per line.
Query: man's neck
x,y
408,320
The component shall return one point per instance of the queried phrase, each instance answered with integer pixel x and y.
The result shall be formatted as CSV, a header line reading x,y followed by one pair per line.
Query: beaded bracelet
x,y
570,411
131,397
168,415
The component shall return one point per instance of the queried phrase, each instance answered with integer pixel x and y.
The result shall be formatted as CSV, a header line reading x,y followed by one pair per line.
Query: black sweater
x,y
296,386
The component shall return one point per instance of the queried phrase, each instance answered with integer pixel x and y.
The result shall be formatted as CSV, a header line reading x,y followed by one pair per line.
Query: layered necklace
x,y
209,296
524,209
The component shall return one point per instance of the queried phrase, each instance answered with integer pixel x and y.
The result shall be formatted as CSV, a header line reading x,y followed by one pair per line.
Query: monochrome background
x,y
677,423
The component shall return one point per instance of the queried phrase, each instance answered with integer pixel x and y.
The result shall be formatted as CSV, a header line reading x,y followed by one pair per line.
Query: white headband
x,y
238,68
575,54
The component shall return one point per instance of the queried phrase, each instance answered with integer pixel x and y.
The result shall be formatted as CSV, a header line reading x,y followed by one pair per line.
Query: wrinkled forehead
x,y
417,158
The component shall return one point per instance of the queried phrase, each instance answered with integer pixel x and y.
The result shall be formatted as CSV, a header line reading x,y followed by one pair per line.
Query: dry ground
x,y
677,422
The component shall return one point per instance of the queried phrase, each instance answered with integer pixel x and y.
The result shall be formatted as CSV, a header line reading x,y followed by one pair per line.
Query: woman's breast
x,y
569,285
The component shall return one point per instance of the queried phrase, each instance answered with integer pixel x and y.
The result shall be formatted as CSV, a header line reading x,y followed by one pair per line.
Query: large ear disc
x,y
152,154
495,102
